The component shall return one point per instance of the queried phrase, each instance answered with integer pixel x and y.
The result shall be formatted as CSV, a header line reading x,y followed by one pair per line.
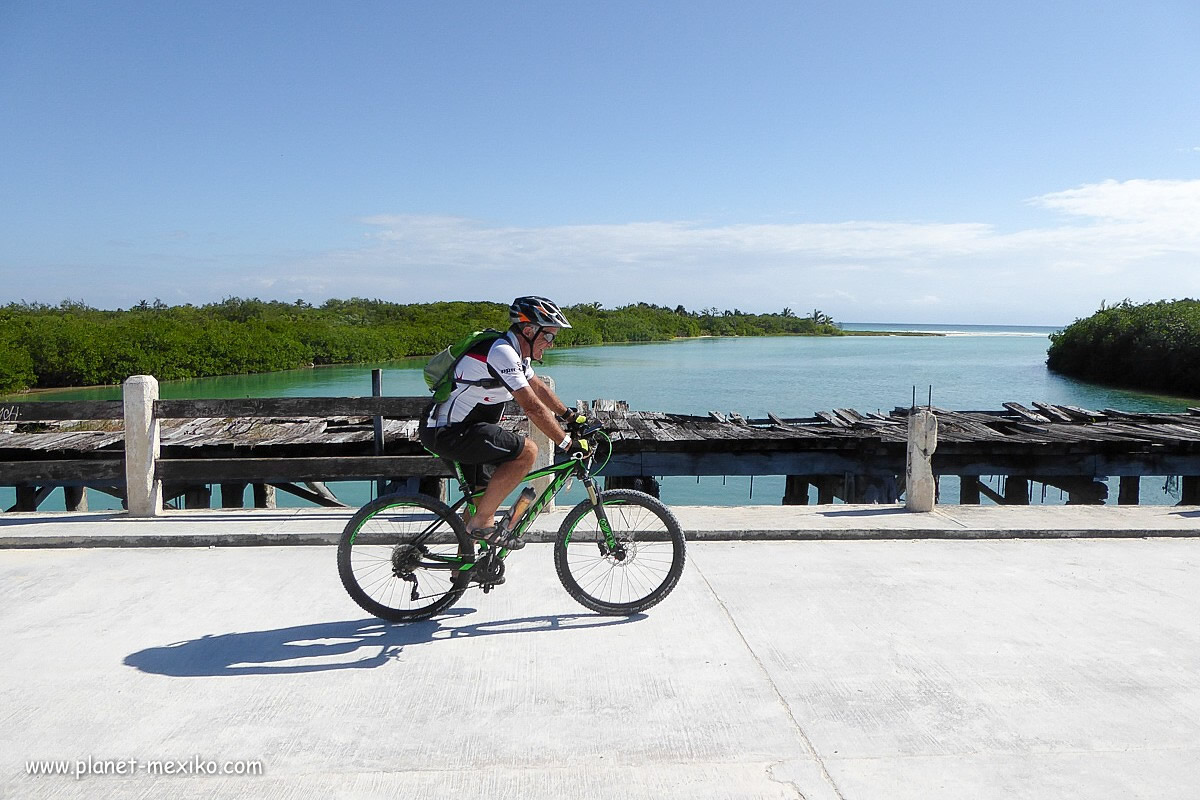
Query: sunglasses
x,y
549,337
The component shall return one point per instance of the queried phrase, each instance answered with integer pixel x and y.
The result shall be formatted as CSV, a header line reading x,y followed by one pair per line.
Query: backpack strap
x,y
483,346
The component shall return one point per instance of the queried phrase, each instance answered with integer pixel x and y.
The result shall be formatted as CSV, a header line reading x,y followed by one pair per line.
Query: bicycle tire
x,y
376,552
634,580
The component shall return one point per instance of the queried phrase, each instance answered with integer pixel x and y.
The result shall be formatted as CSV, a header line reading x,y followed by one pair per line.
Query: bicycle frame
x,y
560,474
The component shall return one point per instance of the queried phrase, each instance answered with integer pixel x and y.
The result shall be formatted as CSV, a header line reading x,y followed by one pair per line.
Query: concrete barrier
x,y
920,487
143,491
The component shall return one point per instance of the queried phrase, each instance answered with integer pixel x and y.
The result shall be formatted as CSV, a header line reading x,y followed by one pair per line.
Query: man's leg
x,y
507,477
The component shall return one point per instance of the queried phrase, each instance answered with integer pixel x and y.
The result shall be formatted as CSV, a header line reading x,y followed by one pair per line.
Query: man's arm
x,y
538,412
547,396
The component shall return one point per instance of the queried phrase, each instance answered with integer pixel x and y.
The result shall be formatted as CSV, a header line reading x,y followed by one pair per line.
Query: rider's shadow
x,y
352,644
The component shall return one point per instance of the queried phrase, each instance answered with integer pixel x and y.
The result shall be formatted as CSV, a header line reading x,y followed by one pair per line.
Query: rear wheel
x,y
636,571
400,556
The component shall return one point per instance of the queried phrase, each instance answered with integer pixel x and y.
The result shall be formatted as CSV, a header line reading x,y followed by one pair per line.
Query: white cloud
x,y
1162,202
1137,239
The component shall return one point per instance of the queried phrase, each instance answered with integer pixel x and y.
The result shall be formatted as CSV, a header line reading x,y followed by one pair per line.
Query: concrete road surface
x,y
864,670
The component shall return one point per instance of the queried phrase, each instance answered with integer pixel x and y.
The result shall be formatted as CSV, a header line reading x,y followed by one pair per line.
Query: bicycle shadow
x,y
328,646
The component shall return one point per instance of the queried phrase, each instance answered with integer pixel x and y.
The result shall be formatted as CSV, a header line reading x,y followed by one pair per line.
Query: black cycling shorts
x,y
479,446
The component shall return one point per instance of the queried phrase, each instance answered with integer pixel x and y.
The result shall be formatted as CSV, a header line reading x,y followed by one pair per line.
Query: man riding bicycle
x,y
464,427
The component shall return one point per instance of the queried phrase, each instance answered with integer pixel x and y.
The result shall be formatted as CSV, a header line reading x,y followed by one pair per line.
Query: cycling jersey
x,y
484,381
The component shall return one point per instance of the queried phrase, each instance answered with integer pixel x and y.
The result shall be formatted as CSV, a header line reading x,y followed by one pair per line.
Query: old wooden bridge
x,y
297,444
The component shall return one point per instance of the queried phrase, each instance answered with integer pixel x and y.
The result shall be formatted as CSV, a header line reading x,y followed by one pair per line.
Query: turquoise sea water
x,y
973,367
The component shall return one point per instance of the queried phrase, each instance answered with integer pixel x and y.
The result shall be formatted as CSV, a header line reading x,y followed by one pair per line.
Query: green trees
x,y
1152,346
72,344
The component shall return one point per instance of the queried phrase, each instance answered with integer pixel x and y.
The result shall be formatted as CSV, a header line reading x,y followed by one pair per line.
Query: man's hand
x,y
572,422
578,447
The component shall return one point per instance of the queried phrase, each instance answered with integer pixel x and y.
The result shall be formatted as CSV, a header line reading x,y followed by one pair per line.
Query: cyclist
x,y
464,427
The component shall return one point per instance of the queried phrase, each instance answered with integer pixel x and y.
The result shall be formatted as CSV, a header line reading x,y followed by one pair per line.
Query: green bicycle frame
x,y
559,474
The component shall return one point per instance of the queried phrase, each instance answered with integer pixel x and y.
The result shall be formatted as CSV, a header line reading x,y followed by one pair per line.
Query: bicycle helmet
x,y
533,310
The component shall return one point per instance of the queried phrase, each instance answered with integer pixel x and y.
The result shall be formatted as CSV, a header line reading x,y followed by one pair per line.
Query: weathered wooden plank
x,y
394,407
1082,414
1113,413
279,470
792,429
1051,412
643,430
61,471
1141,432
971,429
832,419
664,431
51,410
755,463
80,441
1180,431
1025,413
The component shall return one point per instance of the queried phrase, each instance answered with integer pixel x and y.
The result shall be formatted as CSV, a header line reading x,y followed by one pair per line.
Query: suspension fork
x,y
610,544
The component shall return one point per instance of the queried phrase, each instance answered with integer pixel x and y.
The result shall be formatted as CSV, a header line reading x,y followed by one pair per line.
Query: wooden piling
x,y
1128,494
795,490
264,495
198,496
233,495
75,498
27,498
434,487
1016,490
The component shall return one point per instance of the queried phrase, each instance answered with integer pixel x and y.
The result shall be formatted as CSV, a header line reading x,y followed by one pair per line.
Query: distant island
x,y
72,344
1151,346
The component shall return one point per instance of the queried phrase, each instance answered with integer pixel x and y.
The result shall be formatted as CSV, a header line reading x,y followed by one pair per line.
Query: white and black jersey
x,y
484,380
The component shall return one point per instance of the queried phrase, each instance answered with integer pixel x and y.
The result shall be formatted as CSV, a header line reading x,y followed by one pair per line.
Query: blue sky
x,y
1007,162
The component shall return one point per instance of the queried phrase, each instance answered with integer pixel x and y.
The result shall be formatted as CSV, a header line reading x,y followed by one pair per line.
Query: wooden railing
x,y
141,467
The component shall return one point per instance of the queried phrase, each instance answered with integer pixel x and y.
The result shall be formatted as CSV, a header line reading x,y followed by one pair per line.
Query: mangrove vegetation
x,y
72,344
1148,346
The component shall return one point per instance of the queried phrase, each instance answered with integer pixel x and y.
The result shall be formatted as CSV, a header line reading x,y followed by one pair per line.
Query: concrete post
x,y
545,456
143,493
920,489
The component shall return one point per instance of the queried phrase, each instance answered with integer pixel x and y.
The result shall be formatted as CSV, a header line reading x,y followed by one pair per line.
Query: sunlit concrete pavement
x,y
864,669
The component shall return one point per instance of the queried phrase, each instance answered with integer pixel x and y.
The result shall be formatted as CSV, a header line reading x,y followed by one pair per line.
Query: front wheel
x,y
629,571
401,557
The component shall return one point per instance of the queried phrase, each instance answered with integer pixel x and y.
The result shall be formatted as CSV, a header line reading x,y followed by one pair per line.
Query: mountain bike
x,y
407,557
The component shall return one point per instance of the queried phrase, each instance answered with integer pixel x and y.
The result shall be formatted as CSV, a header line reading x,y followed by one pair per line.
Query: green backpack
x,y
439,372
